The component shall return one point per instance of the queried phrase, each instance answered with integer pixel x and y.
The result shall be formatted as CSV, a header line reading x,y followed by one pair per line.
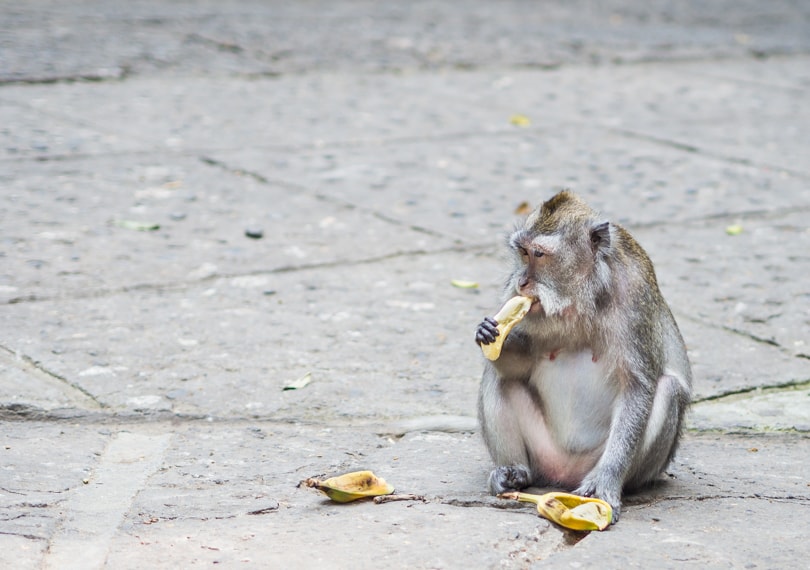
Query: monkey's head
x,y
559,256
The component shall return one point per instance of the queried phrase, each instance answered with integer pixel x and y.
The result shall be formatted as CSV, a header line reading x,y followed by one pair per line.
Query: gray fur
x,y
591,387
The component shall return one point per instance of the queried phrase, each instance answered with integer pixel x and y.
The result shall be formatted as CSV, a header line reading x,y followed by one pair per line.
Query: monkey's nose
x,y
523,284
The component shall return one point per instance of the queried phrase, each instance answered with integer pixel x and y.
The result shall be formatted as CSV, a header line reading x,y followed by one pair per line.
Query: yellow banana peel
x,y
570,511
351,486
510,314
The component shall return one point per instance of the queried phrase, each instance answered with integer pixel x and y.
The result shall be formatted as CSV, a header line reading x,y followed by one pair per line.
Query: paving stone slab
x,y
208,113
41,465
98,40
760,122
696,516
751,116
750,282
728,501
752,491
363,536
775,71
726,363
143,416
470,187
507,34
29,133
27,389
229,493
65,232
377,340
762,410
229,343
701,535
675,105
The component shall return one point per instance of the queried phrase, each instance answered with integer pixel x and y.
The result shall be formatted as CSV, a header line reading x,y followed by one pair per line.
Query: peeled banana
x,y
510,314
570,511
351,486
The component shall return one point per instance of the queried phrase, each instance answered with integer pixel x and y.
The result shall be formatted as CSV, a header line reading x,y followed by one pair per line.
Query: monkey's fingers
x,y
487,331
483,338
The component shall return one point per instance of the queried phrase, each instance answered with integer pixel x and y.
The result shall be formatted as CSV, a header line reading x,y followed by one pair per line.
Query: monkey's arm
x,y
630,415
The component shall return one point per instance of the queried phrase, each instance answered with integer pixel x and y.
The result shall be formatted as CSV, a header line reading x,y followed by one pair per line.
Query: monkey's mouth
x,y
535,307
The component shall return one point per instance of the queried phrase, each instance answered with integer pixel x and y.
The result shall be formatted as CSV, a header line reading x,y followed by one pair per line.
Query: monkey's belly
x,y
566,414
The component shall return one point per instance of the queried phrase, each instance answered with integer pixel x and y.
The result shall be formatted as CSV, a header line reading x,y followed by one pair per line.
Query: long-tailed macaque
x,y
590,390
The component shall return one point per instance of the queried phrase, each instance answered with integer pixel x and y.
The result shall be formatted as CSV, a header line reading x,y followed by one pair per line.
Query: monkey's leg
x,y
661,435
621,450
629,461
503,436
505,443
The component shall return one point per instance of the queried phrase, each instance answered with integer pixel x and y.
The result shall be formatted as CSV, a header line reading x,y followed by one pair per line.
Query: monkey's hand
x,y
592,487
487,331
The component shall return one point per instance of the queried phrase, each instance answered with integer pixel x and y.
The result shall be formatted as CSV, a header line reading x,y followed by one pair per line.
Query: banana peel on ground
x,y
570,511
351,486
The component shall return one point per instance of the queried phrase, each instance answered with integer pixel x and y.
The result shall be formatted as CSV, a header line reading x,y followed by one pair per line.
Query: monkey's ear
x,y
600,236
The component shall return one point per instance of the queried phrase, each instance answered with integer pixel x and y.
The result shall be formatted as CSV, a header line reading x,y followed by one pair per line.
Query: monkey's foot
x,y
509,478
614,499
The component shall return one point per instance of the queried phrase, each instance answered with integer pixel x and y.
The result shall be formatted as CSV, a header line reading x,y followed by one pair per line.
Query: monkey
x,y
591,387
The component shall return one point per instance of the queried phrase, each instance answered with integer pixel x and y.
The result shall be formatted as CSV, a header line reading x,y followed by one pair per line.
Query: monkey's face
x,y
557,254
553,268
541,270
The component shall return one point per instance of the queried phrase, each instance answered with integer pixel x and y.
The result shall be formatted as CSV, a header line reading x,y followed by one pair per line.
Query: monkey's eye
x,y
538,253
524,254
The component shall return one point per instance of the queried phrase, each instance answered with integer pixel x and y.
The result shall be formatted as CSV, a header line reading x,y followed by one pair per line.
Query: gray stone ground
x,y
144,420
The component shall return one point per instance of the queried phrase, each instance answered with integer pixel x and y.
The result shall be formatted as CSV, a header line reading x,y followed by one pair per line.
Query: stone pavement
x,y
380,151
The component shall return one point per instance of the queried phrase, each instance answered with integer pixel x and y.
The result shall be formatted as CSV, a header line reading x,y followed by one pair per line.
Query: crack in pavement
x,y
28,365
120,73
23,535
382,427
741,215
202,154
791,384
345,204
752,336
700,151
745,334
220,45
169,286
649,502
